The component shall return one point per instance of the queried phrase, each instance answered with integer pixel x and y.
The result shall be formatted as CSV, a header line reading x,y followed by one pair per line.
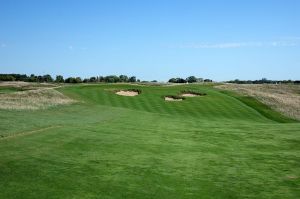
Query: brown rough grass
x,y
27,85
39,98
283,98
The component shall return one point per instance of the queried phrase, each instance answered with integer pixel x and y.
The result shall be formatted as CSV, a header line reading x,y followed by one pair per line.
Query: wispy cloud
x,y
222,45
71,48
280,43
3,45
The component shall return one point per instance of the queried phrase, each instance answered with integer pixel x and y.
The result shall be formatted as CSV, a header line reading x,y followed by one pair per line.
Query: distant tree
x,y
32,78
177,80
92,79
132,79
47,78
207,80
180,80
73,80
78,80
59,79
123,78
199,79
111,79
101,79
69,80
39,78
5,77
191,79
173,80
85,80
154,81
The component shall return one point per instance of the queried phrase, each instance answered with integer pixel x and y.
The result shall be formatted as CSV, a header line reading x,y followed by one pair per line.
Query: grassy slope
x,y
260,107
111,146
9,89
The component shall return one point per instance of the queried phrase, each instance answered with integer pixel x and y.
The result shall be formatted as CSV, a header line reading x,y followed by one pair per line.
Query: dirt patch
x,y
129,92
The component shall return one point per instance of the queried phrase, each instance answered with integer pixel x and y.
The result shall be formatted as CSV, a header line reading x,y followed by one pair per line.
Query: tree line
x,y
264,81
60,79
190,79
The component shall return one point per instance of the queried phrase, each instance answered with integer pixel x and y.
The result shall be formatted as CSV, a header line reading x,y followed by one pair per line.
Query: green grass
x,y
260,107
4,89
110,146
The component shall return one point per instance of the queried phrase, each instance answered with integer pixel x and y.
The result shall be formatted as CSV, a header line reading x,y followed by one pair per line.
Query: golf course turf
x,y
216,146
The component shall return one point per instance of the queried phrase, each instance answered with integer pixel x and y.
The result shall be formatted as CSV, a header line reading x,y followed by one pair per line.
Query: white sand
x,y
189,95
127,93
172,99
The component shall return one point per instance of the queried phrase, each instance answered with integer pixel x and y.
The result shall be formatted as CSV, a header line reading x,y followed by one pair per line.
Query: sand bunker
x,y
168,98
189,95
127,93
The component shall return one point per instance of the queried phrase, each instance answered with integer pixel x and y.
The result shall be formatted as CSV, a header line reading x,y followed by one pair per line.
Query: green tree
x,y
111,79
78,80
32,78
47,78
123,78
92,79
132,79
173,80
191,79
59,79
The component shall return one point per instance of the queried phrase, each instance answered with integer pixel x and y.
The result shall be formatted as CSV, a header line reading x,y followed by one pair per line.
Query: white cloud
x,y
283,43
223,45
279,43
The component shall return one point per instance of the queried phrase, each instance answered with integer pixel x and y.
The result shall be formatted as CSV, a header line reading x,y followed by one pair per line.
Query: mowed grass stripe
x,y
214,105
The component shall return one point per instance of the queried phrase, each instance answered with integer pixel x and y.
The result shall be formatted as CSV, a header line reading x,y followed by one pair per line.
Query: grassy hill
x,y
111,146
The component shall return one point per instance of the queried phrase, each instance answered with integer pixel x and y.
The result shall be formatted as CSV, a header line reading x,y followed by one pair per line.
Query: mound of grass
x,y
260,107
282,98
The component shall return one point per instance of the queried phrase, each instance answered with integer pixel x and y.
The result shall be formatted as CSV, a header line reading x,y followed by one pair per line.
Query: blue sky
x,y
151,39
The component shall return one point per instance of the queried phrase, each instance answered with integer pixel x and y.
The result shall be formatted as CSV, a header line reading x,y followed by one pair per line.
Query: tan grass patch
x,y
28,85
33,99
283,98
14,84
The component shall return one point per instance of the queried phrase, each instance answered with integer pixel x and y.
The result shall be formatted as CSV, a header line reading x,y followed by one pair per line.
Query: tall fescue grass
x,y
33,99
283,98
